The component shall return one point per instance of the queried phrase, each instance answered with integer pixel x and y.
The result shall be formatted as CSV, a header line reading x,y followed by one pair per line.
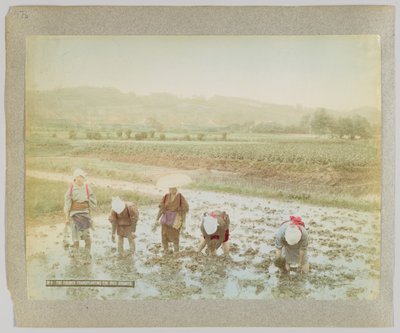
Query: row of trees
x,y
319,122
138,136
128,134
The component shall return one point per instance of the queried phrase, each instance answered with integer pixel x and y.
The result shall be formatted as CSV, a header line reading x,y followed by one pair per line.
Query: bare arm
x,y
162,207
113,220
160,212
202,245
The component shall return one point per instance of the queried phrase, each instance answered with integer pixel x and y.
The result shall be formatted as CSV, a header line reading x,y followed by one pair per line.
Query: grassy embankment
x,y
45,200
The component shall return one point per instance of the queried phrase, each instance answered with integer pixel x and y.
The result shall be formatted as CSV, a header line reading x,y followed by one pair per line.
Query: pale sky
x,y
338,72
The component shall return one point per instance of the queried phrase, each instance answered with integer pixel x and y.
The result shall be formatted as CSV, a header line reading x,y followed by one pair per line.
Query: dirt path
x,y
343,252
102,182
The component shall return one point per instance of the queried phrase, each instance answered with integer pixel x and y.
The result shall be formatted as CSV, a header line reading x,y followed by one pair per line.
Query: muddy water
x,y
343,253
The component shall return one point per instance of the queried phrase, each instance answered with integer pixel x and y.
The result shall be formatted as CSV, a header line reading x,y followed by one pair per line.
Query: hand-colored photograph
x,y
203,167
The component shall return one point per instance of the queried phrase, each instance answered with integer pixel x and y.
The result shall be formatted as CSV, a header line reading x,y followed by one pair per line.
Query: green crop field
x,y
315,153
335,172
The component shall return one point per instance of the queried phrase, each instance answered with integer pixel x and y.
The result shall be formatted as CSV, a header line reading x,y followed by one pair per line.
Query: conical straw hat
x,y
173,180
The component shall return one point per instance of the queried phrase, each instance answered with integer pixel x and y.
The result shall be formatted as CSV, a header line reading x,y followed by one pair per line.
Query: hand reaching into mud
x,y
280,262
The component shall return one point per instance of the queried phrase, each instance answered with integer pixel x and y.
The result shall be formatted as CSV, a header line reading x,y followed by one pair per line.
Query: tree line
x,y
151,135
320,122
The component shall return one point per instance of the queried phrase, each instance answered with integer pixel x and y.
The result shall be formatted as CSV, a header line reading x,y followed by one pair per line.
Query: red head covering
x,y
296,220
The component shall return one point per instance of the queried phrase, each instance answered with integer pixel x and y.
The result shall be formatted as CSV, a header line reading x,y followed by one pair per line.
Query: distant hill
x,y
109,106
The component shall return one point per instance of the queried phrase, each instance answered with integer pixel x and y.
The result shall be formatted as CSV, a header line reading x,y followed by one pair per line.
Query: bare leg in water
x,y
225,247
202,245
132,245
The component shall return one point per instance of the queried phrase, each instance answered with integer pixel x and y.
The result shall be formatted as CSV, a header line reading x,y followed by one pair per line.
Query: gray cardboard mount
x,y
327,20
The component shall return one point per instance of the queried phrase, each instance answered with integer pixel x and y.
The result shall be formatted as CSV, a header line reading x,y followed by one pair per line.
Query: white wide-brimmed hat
x,y
173,180
79,172
210,224
292,234
117,205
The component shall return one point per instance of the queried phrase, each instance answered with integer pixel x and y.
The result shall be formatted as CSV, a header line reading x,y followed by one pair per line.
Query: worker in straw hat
x,y
291,241
215,230
172,212
123,217
79,200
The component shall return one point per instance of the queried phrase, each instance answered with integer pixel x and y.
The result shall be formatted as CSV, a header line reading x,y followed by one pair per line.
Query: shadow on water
x,y
80,267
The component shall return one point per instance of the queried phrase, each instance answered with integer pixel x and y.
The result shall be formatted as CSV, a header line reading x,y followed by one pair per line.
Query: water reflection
x,y
171,282
292,285
214,278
